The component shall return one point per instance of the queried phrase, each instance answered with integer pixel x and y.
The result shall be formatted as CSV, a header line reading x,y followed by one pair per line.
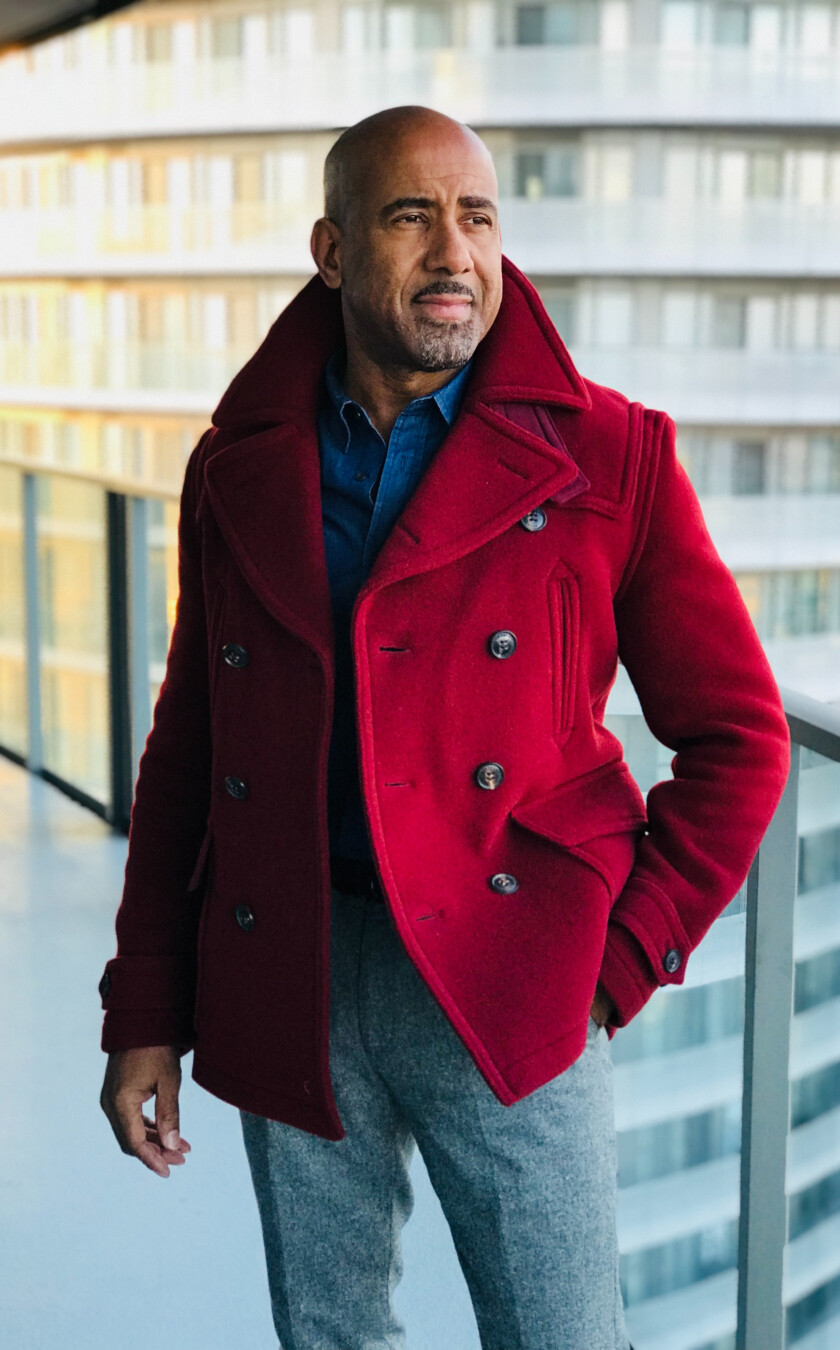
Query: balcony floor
x,y
95,1251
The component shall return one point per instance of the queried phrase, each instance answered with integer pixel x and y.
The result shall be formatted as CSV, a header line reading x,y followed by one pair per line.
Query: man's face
x,y
421,255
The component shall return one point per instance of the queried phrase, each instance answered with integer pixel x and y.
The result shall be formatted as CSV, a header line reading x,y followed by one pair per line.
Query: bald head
x,y
411,237
357,156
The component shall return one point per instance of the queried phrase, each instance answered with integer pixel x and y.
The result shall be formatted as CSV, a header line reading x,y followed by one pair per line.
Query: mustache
x,y
445,288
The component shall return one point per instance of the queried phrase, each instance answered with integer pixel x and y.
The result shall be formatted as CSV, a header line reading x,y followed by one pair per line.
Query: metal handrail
x,y
814,725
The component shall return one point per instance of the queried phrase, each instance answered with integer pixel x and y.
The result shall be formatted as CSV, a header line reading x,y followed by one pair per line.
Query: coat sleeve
x,y
148,988
707,693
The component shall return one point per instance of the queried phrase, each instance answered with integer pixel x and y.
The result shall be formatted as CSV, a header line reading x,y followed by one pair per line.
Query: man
x,y
388,874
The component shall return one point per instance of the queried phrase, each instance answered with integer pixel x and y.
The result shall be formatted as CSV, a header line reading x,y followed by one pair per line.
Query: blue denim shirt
x,y
364,487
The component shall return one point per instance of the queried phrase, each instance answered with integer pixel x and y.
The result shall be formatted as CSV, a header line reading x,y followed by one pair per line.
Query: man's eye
x,y
413,215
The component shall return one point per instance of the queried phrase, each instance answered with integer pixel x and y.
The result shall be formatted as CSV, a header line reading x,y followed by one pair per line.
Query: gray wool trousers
x,y
528,1190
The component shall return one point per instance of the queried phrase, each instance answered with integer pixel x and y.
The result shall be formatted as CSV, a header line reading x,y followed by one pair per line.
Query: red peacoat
x,y
511,903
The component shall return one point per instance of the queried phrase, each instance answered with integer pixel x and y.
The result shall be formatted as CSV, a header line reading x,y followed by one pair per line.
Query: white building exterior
x,y
669,177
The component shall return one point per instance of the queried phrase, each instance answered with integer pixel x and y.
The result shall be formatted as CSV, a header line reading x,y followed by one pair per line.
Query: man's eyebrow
x,y
423,203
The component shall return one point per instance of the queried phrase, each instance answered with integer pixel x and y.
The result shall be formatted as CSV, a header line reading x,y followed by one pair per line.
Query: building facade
x,y
669,176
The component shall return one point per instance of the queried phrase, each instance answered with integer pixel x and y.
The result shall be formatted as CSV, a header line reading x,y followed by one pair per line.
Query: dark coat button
x,y
236,788
502,644
105,984
535,520
489,775
504,883
245,918
672,961
235,655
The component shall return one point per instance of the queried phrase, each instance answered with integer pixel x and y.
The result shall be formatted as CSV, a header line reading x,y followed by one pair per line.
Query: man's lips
x,y
446,306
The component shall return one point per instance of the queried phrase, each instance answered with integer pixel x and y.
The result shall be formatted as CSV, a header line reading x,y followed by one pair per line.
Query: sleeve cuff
x,y
136,1031
626,975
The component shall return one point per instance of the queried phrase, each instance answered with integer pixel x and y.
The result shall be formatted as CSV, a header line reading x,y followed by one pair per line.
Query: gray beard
x,y
444,350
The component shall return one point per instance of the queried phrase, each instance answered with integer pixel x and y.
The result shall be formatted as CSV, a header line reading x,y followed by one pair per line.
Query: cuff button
x,y
672,961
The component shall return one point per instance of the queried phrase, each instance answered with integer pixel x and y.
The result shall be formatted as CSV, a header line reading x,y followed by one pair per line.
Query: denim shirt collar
x,y
447,399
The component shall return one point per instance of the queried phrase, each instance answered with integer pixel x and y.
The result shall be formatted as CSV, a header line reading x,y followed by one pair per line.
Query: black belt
x,y
355,876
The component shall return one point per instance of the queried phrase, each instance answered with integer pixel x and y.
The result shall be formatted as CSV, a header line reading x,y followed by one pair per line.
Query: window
x,y
561,311
480,25
731,25
564,23
360,25
748,467
793,604
553,172
226,38
561,24
679,318
157,42
433,27
814,1310
684,1017
679,24
818,979
815,28
660,1150
805,322
613,315
529,173
732,175
765,176
657,1271
728,321
530,25
819,860
811,177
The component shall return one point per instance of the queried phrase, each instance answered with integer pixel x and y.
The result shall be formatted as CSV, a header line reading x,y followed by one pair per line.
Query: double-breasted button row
x,y
105,984
236,788
235,655
244,916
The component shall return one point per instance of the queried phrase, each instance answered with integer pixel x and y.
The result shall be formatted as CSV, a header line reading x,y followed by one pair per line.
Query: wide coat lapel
x,y
500,459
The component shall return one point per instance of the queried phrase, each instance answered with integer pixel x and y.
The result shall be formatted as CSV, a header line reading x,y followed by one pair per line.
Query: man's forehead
x,y
435,174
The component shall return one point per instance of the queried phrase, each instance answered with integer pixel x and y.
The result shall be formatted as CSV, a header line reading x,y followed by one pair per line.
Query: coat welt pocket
x,y
564,612
201,861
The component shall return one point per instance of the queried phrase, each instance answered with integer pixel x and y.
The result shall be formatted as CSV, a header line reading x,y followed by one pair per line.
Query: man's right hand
x,y
131,1078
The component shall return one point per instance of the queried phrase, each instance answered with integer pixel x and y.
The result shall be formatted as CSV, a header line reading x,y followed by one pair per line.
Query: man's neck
x,y
384,393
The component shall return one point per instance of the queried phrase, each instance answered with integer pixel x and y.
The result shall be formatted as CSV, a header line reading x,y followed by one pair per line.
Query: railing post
x,y
32,610
138,627
771,892
118,662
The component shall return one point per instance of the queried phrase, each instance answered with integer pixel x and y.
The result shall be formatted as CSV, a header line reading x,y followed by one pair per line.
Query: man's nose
x,y
448,250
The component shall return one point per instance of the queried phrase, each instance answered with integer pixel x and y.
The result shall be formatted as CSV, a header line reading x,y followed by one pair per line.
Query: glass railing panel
x,y
162,563
678,1087
13,706
812,1255
72,567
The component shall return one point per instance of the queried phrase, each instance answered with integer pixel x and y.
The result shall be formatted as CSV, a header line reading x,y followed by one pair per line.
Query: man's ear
x,y
325,247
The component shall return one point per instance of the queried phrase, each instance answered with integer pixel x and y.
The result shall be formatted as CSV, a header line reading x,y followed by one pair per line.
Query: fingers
x,y
172,1155
166,1112
132,1078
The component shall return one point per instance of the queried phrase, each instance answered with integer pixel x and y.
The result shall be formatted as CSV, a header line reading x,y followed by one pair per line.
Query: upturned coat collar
x,y
503,456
